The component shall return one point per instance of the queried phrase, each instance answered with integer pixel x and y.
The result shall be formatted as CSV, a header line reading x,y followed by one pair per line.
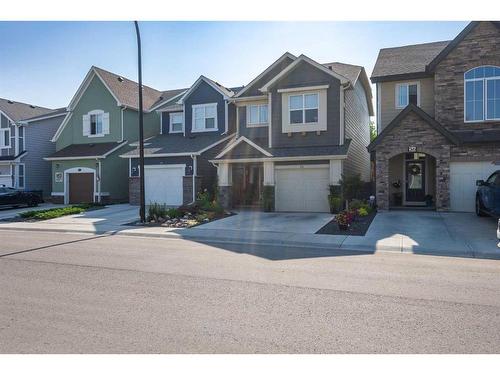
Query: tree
x,y
373,131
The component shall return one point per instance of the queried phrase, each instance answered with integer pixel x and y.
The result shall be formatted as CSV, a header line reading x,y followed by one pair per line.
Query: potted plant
x,y
335,204
428,200
343,220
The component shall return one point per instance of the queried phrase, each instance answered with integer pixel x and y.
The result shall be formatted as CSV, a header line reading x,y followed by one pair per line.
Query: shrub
x,y
53,213
174,213
352,187
362,212
335,204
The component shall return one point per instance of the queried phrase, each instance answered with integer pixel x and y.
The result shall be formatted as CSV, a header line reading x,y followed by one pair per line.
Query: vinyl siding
x,y
357,128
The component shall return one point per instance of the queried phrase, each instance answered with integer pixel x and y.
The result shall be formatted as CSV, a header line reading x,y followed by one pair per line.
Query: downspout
x,y
99,180
195,167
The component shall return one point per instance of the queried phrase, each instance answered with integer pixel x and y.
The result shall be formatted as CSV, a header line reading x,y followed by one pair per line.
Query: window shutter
x,y
86,125
105,123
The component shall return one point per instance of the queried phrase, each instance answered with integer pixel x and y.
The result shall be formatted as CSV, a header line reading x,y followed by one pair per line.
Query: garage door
x,y
463,176
302,188
163,184
81,187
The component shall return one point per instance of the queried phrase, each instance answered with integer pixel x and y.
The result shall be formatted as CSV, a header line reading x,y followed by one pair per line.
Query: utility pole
x,y
142,211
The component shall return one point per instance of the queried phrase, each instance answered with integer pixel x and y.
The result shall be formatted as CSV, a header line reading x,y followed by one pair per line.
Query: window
x,y
96,124
482,94
20,176
407,93
204,117
303,108
20,133
257,114
5,138
176,123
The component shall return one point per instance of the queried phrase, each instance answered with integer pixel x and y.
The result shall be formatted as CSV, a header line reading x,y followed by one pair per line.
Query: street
x,y
76,293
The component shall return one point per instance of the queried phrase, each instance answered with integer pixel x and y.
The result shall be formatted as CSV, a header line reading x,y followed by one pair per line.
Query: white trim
x,y
42,118
170,130
286,54
162,103
2,138
216,120
161,123
322,105
305,88
196,84
270,120
485,94
408,84
259,108
302,166
129,167
76,170
164,166
8,118
226,117
213,145
57,194
342,115
379,115
285,158
193,176
238,141
293,65
248,98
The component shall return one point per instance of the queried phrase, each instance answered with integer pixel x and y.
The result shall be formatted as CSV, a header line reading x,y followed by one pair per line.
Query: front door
x,y
415,181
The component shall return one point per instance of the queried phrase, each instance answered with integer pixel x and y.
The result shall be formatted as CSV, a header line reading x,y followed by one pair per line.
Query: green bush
x,y
156,211
362,212
335,204
174,213
352,186
53,213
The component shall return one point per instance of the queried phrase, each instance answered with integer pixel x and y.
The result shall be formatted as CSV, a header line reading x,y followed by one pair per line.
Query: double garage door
x,y
302,188
463,176
163,184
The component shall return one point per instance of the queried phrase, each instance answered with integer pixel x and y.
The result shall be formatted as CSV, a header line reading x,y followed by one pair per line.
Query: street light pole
x,y
142,211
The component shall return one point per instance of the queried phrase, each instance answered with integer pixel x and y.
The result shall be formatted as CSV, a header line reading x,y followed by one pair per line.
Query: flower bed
x,y
53,213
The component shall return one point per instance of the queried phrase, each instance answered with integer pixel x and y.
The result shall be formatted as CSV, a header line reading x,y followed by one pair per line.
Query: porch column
x,y
382,181
224,176
268,195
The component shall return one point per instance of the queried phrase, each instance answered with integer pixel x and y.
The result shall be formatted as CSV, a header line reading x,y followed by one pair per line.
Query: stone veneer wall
x,y
413,131
134,190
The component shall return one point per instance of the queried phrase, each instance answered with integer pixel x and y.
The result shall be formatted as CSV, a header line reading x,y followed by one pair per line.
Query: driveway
x,y
255,221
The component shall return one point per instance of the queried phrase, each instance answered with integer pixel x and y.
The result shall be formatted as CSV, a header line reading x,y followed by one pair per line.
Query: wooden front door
x,y
81,187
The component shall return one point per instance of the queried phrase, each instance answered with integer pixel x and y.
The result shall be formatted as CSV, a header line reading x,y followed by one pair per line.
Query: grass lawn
x,y
53,213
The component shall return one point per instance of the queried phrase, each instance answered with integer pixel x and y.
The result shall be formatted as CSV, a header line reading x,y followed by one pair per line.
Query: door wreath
x,y
415,170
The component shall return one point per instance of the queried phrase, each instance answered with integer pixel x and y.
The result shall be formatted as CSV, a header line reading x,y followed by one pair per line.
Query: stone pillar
x,y
443,183
133,191
269,190
224,178
382,181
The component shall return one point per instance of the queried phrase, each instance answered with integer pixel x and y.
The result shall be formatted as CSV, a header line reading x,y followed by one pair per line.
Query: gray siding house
x,y
25,133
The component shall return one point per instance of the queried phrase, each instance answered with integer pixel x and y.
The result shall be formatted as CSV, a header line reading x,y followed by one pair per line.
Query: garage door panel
x,y
302,189
463,177
164,185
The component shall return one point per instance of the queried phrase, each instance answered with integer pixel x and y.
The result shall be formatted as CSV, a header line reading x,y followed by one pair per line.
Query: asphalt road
x,y
67,293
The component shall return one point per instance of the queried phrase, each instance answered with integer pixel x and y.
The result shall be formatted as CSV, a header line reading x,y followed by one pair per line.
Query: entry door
x,y
415,181
81,187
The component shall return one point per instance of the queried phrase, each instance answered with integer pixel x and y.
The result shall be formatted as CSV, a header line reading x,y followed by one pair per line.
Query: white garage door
x,y
302,188
463,176
163,184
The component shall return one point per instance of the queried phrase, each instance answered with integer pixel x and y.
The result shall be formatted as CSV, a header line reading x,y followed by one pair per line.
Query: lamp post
x,y
142,198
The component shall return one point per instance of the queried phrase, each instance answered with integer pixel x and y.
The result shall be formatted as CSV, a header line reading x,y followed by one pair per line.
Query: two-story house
x,y
102,118
195,124
438,117
25,133
300,125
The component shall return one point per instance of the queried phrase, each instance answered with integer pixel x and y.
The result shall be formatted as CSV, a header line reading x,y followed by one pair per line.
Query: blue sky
x,y
43,63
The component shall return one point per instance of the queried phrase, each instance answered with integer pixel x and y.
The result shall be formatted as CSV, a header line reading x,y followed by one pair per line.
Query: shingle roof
x,y
351,72
127,91
406,60
54,112
166,96
174,144
18,111
86,150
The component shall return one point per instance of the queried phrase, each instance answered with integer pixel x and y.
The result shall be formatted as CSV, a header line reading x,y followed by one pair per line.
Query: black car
x,y
14,197
488,196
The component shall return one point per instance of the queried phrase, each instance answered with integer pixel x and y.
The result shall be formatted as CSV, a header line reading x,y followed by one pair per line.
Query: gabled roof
x,y
293,65
166,97
240,140
86,151
268,69
17,111
224,91
396,62
423,115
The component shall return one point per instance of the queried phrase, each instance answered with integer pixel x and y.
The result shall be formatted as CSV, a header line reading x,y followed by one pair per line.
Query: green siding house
x,y
102,122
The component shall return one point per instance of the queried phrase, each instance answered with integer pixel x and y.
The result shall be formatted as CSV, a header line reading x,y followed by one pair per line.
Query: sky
x,y
43,63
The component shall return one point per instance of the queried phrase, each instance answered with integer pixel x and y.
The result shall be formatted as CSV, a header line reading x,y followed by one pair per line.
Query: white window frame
x,y
23,144
485,93
2,138
407,84
171,123
205,106
96,113
257,124
19,175
303,109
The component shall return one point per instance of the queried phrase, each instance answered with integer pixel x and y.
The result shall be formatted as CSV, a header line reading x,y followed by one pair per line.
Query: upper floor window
x,y
303,108
176,123
96,124
407,93
20,175
5,138
482,94
204,117
20,134
257,115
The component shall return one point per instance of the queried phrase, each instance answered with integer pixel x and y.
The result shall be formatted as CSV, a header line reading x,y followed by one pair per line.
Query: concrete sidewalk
x,y
447,234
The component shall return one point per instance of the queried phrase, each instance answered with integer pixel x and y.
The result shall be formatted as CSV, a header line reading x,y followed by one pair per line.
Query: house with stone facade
x,y
438,120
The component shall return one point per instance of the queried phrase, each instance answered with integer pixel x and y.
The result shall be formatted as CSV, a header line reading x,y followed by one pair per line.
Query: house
x,y
438,119
102,118
195,125
25,133
300,125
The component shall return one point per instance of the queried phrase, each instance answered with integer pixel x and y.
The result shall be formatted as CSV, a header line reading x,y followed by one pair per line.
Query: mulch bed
x,y
186,221
357,228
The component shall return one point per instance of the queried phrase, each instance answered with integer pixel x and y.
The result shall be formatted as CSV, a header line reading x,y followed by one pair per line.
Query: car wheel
x,y
479,207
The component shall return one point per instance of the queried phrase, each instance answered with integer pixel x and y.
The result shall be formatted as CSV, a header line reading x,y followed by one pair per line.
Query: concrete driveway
x,y
284,222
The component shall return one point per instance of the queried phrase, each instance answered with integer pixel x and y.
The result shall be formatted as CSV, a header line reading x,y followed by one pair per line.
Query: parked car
x,y
488,196
14,197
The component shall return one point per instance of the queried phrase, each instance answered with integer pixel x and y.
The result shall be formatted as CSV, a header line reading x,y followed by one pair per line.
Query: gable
x,y
304,74
203,93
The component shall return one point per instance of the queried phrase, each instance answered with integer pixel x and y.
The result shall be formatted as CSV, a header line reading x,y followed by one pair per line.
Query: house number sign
x,y
412,148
